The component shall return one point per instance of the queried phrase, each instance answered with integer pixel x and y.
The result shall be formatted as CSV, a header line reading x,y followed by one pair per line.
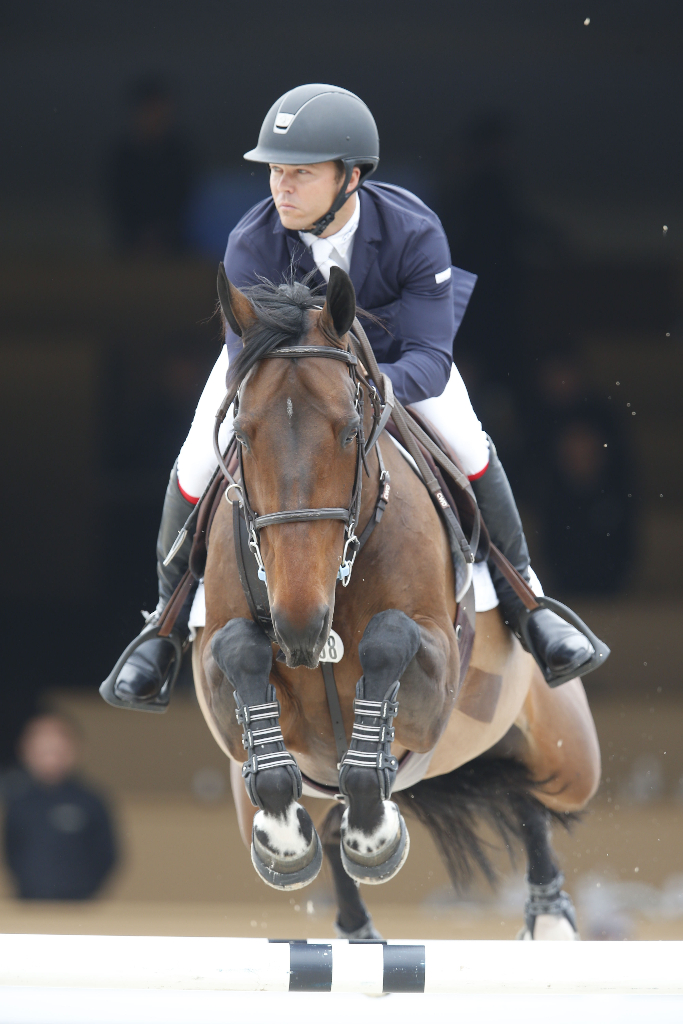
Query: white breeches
x,y
451,413
197,460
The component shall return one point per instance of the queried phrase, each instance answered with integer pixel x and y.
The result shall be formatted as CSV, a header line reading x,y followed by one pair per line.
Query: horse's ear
x,y
237,309
339,310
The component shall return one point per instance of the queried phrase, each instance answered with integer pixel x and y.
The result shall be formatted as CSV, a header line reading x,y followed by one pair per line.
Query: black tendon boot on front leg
x,y
375,840
285,849
562,650
143,677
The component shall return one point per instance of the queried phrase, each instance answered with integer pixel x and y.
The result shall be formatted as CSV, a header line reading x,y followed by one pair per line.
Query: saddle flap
x,y
460,501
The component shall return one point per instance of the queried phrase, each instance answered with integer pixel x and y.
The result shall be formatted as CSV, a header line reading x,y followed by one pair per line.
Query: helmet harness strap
x,y
324,222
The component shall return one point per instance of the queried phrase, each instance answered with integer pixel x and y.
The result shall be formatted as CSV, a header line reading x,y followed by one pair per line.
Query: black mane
x,y
282,319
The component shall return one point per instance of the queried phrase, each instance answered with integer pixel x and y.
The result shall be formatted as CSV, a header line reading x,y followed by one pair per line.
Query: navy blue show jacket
x,y
400,254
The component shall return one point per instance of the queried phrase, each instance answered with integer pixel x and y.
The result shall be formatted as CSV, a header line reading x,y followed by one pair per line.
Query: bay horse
x,y
499,742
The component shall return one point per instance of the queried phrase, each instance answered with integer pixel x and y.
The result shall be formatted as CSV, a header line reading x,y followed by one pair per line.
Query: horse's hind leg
x,y
285,847
556,739
548,912
353,919
375,840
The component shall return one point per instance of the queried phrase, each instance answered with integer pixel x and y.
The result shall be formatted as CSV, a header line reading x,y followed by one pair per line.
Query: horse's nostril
x,y
302,640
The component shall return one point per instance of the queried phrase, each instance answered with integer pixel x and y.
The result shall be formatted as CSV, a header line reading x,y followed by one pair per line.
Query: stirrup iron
x,y
601,650
156,705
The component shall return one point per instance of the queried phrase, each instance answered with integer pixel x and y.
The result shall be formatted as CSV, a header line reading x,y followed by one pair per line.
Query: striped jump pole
x,y
229,964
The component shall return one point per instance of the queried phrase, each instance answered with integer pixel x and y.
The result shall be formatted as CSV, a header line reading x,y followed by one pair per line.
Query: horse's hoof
x,y
549,928
374,868
291,874
366,933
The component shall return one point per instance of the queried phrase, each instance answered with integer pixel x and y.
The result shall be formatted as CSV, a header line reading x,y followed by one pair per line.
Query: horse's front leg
x,y
285,848
375,840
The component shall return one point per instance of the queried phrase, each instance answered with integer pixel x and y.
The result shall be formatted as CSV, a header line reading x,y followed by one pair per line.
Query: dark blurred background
x,y
548,137
552,150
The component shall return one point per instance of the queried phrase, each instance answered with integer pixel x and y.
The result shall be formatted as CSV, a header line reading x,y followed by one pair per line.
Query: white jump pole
x,y
229,964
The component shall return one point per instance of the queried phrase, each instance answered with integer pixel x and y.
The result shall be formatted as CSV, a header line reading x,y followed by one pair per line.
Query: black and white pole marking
x,y
257,965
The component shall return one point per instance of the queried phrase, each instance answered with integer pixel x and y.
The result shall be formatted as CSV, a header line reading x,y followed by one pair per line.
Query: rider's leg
x,y
562,647
144,673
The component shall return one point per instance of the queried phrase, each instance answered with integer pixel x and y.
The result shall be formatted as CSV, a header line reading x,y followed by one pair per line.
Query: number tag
x,y
333,649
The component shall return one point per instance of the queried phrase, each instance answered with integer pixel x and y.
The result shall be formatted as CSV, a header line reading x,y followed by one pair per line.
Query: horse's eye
x,y
349,435
242,440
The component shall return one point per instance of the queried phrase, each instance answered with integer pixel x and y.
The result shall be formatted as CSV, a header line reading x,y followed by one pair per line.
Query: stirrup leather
x,y
372,726
267,735
549,898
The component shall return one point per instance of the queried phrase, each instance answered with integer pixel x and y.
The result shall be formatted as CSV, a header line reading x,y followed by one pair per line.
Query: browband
x,y
322,351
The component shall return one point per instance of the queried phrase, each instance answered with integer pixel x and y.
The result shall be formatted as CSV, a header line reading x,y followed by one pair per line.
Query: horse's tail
x,y
496,791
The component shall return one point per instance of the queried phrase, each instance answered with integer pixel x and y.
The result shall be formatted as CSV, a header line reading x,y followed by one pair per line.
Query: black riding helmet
x,y
315,123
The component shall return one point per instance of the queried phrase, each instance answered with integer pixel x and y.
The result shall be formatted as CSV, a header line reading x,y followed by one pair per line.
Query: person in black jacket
x,y
58,837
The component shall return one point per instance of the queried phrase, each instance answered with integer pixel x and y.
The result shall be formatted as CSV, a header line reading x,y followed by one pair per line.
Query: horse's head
x,y
297,423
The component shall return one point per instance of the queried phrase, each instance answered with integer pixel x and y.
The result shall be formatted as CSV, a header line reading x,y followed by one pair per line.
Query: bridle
x,y
350,515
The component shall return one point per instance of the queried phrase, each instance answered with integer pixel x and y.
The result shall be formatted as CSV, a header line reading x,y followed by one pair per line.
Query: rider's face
x,y
304,192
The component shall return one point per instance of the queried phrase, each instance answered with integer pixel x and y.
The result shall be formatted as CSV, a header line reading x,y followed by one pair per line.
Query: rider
x,y
321,144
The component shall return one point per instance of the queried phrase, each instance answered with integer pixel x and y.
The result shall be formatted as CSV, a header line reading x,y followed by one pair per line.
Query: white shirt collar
x,y
336,249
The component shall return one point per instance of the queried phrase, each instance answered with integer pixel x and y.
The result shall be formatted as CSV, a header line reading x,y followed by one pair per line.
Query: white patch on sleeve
x,y
443,276
290,409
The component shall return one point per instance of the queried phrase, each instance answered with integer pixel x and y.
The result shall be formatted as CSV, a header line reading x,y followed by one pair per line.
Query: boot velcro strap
x,y
260,762
246,713
370,759
259,737
376,708
373,733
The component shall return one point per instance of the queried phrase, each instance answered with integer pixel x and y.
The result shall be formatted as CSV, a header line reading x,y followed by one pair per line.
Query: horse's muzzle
x,y
302,642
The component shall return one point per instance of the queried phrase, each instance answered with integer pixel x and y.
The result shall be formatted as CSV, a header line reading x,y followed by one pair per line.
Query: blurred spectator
x,y
58,837
583,480
150,175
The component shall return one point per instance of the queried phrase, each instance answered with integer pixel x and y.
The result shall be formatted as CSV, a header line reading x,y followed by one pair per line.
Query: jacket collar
x,y
366,241
299,256
365,245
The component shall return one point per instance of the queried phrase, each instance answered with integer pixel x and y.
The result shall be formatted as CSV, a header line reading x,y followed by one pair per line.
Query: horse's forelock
x,y
281,319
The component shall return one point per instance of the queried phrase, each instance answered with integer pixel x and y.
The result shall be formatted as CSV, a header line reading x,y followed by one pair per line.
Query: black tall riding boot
x,y
147,668
559,645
